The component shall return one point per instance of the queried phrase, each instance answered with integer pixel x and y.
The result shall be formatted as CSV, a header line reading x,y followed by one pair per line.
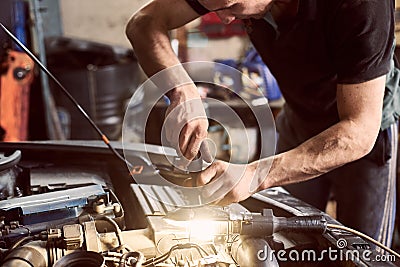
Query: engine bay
x,y
73,204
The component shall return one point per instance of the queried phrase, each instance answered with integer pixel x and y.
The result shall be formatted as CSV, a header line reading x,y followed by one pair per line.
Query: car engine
x,y
73,204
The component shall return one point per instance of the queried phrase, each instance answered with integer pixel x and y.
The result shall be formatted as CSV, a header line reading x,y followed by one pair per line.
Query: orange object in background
x,y
14,96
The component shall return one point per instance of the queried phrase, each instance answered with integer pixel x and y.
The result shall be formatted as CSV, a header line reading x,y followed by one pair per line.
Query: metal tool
x,y
104,138
251,224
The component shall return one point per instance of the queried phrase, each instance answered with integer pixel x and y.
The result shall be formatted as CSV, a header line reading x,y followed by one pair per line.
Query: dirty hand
x,y
186,124
225,183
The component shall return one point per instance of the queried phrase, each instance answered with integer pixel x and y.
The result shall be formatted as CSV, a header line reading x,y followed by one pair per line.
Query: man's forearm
x,y
151,44
360,112
340,144
148,30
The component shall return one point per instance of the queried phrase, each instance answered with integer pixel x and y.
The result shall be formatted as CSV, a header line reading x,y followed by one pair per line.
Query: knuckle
x,y
200,136
184,133
192,153
219,164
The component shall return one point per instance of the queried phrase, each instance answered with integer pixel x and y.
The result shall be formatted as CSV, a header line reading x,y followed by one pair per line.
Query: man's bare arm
x,y
148,30
360,111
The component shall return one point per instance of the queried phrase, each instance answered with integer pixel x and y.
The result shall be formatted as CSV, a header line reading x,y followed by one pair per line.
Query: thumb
x,y
204,177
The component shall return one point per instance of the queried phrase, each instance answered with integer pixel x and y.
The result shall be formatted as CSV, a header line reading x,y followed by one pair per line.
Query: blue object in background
x,y
19,22
233,73
254,63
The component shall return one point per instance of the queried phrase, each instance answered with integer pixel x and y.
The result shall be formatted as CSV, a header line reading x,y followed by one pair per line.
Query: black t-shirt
x,y
329,42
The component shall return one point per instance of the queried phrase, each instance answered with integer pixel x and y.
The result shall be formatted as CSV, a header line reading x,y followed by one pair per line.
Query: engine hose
x,y
33,254
135,254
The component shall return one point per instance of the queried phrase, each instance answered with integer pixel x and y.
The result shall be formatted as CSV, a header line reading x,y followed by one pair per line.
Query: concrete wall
x,y
104,21
98,20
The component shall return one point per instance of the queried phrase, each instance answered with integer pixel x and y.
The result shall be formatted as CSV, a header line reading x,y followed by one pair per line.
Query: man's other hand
x,y
225,183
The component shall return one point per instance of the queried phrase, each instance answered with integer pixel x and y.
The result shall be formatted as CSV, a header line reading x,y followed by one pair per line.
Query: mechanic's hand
x,y
226,183
186,124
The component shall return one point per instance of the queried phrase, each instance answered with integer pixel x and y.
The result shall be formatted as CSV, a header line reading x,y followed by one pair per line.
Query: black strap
x,y
199,8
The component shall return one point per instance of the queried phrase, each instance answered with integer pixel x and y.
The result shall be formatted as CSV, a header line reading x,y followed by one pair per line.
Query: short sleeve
x,y
361,39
